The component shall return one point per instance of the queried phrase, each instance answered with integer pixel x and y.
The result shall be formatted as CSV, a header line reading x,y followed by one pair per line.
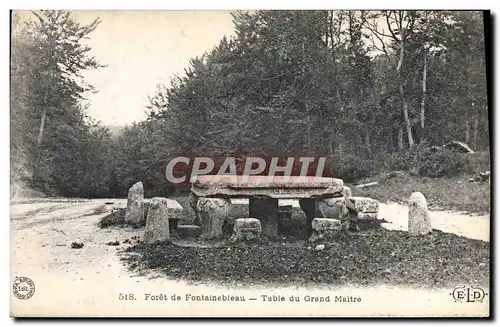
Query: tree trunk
x,y
368,146
402,93
475,131
467,130
406,118
400,139
42,125
308,133
390,144
424,97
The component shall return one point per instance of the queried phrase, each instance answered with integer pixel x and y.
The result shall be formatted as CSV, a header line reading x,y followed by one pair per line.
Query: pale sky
x,y
142,49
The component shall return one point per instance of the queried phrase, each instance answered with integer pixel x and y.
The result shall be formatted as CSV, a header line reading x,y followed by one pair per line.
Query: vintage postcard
x,y
268,163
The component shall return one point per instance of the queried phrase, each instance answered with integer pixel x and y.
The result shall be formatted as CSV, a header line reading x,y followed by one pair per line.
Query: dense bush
x,y
442,163
477,162
351,167
423,160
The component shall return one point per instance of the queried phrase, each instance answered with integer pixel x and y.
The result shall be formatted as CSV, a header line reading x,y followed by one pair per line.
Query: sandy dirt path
x,y
91,281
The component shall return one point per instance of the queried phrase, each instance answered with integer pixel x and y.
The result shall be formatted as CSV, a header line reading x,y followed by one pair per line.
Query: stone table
x,y
210,198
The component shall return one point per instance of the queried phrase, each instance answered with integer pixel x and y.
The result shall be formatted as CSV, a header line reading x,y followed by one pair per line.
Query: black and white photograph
x,y
250,163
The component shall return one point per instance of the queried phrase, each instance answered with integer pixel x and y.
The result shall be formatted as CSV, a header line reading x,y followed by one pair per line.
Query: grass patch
x,y
382,257
455,193
117,219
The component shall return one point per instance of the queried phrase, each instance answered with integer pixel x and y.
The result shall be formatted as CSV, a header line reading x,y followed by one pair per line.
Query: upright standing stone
x,y
332,208
157,229
310,208
419,221
135,204
213,212
266,210
193,202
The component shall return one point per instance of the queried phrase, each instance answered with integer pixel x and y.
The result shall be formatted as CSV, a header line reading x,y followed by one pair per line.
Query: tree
x,y
48,92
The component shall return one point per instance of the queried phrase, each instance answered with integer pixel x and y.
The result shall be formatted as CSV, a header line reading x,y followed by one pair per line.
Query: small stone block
x,y
326,229
367,215
361,204
323,224
246,229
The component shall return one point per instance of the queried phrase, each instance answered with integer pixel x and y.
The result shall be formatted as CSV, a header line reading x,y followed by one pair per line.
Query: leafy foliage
x,y
290,83
56,146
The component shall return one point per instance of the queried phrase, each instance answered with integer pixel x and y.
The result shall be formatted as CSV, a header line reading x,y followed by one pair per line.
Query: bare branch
x,y
373,29
387,15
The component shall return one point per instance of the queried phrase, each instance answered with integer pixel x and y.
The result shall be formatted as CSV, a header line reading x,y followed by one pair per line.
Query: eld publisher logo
x,y
468,294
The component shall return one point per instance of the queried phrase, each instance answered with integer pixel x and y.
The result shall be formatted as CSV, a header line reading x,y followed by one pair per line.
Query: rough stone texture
x,y
284,218
193,202
134,214
174,208
246,229
285,212
278,187
187,231
419,221
310,208
332,208
323,224
326,229
367,215
346,190
213,212
267,211
362,221
361,204
157,229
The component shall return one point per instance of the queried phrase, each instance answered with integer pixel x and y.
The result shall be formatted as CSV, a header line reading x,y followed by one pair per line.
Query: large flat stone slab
x,y
277,187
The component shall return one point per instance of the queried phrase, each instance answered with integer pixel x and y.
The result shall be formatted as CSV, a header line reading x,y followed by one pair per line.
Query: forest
x,y
370,90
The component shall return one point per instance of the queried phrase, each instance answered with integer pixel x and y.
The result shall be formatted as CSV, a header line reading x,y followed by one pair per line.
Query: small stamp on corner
x,y
23,287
